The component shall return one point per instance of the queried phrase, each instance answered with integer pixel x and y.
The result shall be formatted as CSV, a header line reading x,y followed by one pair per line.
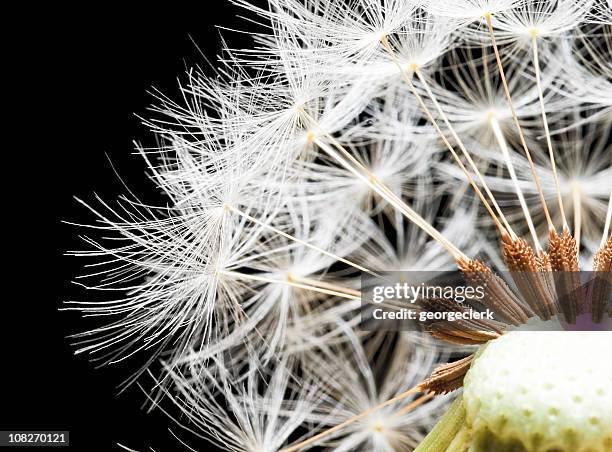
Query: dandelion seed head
x,y
355,137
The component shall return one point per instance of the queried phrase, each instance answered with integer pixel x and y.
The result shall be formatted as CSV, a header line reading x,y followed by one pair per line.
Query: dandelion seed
x,y
361,137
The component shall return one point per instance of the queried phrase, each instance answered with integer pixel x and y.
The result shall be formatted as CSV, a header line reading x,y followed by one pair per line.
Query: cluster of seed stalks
x,y
246,191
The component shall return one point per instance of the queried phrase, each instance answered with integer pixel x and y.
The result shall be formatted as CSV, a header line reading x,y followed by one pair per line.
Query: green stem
x,y
450,434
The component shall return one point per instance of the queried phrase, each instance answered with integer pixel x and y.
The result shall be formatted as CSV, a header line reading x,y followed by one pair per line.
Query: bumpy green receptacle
x,y
533,392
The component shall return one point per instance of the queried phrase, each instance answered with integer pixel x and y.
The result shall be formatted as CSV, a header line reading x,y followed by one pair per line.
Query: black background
x,y
77,77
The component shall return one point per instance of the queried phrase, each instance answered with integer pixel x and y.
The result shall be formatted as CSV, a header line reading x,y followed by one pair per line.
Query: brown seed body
x,y
563,253
602,284
448,377
498,297
530,275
